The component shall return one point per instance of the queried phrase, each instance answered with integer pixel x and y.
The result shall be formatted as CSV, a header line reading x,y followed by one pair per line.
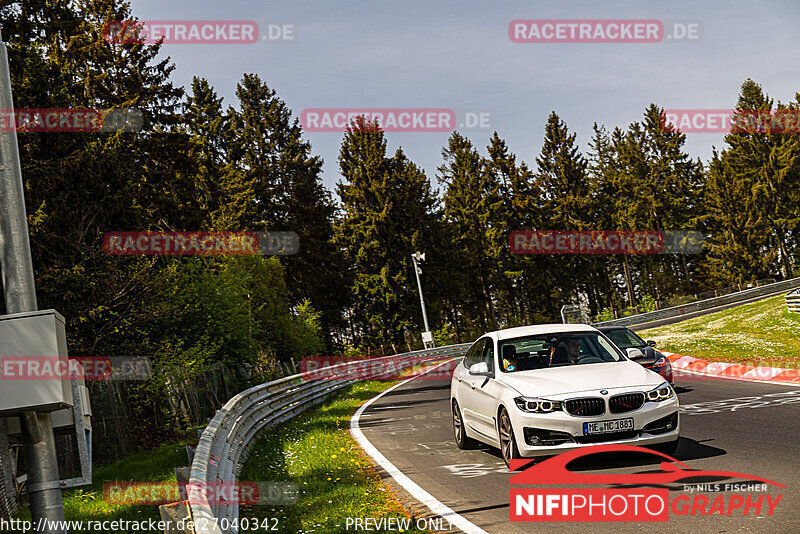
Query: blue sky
x,y
457,54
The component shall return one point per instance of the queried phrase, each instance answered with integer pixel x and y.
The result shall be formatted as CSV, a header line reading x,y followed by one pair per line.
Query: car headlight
x,y
661,361
533,405
662,392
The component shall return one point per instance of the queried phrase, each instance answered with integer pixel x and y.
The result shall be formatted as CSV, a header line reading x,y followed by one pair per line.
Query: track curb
x,y
732,370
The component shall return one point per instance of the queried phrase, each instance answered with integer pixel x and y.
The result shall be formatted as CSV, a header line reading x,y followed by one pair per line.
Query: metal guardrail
x,y
224,444
675,311
673,302
793,301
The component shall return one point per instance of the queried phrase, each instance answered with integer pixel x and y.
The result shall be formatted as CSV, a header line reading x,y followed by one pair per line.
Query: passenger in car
x,y
509,358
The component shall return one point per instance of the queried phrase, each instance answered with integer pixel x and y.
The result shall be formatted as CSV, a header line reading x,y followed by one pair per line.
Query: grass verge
x,y
87,503
759,333
333,475
315,450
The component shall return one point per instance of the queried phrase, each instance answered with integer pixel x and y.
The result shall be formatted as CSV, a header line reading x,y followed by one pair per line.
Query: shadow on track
x,y
688,449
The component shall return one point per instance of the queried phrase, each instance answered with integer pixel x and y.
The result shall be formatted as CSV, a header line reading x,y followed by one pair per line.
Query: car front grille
x,y
585,407
626,402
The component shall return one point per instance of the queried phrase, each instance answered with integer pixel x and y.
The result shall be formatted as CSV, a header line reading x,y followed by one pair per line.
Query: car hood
x,y
568,380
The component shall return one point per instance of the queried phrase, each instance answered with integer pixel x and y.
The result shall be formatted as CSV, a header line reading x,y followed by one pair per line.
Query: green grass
x,y
759,333
334,477
315,451
87,503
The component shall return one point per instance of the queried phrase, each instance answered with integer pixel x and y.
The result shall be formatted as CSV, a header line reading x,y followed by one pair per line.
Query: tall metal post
x,y
44,488
415,258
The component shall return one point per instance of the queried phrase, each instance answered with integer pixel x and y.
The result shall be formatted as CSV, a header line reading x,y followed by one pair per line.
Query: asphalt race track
x,y
727,425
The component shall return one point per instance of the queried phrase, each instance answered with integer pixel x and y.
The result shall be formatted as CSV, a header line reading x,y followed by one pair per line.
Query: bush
x,y
649,303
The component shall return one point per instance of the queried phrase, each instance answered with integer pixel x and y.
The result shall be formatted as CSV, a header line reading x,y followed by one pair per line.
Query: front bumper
x,y
559,431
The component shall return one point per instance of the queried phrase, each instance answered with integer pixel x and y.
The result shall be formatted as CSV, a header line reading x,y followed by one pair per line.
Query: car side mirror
x,y
651,343
634,353
479,369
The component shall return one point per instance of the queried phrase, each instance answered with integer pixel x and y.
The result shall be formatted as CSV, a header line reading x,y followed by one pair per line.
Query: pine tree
x,y
753,197
520,279
563,176
317,273
473,205
79,186
604,186
257,136
271,181
388,212
204,122
664,192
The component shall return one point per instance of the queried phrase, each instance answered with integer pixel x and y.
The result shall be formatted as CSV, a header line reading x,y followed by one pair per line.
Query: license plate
x,y
604,427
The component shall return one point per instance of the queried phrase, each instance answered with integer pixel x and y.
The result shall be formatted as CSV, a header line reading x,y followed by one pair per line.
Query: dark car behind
x,y
625,339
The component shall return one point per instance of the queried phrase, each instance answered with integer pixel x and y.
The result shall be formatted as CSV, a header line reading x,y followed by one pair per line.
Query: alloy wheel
x,y
457,426
506,438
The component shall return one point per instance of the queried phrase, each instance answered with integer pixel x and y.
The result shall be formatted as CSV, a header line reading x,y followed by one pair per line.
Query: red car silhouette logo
x,y
554,470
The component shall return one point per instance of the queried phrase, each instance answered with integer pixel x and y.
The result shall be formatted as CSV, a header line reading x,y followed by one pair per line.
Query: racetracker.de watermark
x,y
603,31
70,120
201,243
134,493
196,32
778,370
383,369
395,119
731,121
605,242
74,368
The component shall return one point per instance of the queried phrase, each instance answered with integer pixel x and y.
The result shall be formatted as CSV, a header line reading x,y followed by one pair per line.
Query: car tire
x,y
463,441
508,445
667,448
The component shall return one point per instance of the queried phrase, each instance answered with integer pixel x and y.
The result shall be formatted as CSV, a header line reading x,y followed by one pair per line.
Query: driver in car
x,y
573,350
568,352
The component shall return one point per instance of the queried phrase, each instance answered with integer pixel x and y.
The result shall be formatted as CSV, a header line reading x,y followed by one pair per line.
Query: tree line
x,y
201,164
745,201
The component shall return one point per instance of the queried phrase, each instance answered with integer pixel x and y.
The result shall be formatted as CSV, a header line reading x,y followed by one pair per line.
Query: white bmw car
x,y
544,389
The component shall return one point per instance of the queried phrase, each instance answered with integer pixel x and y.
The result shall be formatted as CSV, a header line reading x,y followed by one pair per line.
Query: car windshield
x,y
625,339
555,350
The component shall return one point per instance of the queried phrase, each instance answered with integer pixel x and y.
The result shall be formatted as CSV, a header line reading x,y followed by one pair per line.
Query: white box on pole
x,y
33,356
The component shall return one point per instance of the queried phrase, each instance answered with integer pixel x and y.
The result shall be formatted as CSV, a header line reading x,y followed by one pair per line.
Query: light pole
x,y
44,486
427,336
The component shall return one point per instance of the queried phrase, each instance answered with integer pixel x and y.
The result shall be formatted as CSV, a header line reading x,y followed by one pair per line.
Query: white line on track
x,y
401,478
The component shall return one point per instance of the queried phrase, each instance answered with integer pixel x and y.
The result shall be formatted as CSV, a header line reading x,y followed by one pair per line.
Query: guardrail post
x,y
176,515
